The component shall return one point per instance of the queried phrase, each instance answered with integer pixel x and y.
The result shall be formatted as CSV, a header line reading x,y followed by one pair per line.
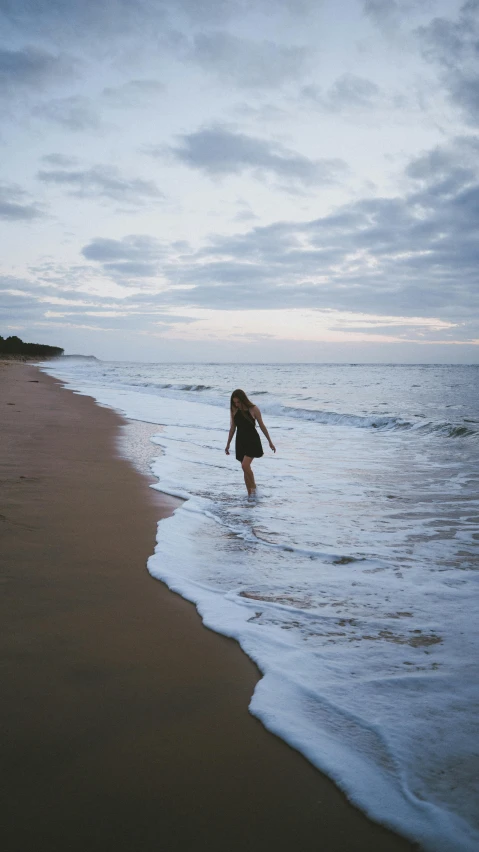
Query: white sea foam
x,y
350,581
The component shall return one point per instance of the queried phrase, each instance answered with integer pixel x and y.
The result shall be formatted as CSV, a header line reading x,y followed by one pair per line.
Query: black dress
x,y
248,442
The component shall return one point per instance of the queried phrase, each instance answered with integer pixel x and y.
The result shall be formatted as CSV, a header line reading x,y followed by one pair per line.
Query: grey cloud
x,y
61,160
181,246
381,12
454,46
72,20
14,308
464,91
217,151
105,182
65,302
445,169
82,21
411,255
25,302
135,256
15,206
75,113
134,93
135,247
348,92
37,304
259,244
247,63
31,67
23,299
224,10
389,15
245,215
11,282
448,41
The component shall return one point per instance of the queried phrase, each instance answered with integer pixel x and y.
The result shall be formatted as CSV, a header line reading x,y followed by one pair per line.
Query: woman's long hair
x,y
240,394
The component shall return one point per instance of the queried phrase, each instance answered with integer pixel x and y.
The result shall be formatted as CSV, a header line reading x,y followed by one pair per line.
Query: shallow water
x,y
351,580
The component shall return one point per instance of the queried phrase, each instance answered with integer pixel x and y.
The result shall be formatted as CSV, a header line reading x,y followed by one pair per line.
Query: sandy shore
x,y
126,720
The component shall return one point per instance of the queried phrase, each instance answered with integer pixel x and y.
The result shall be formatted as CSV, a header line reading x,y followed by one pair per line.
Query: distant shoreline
x,y
34,359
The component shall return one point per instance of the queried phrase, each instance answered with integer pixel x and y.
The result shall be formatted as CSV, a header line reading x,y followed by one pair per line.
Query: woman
x,y
244,415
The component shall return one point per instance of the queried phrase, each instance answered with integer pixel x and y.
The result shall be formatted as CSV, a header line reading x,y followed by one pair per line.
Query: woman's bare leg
x,y
248,474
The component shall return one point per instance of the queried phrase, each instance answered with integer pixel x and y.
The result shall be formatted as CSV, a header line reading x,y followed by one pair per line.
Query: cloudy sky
x,y
251,180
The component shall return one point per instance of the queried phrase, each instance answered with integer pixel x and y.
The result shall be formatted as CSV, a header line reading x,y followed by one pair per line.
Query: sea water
x,y
351,580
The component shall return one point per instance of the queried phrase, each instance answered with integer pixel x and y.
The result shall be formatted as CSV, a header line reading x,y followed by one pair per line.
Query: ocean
x,y
351,580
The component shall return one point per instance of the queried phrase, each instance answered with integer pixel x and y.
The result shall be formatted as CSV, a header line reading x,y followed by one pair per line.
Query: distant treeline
x,y
13,346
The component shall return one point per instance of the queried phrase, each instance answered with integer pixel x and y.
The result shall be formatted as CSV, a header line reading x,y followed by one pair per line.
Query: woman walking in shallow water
x,y
244,416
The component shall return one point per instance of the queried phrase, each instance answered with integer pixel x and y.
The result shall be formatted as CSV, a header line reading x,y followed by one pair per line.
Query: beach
x,y
126,719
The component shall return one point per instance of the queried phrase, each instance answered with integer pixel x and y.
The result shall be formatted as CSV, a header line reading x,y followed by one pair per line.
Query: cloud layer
x,y
218,151
16,206
102,181
413,254
247,63
31,67
454,46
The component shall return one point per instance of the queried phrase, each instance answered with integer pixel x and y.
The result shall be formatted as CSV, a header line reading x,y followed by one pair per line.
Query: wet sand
x,y
125,720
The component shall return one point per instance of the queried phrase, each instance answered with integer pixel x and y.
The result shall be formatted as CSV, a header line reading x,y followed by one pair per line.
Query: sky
x,y
241,180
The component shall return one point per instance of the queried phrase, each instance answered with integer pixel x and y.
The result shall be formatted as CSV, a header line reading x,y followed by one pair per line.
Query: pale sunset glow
x,y
315,326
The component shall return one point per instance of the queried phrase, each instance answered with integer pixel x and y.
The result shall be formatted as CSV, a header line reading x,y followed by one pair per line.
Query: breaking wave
x,y
381,423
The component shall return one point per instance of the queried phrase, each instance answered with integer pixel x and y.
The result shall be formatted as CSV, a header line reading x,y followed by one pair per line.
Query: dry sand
x,y
126,720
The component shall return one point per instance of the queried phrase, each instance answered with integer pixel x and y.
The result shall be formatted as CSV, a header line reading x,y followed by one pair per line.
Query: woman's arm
x,y
257,415
230,435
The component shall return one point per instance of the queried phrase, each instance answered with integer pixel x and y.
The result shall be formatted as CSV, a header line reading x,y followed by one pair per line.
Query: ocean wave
x,y
177,387
196,387
381,423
